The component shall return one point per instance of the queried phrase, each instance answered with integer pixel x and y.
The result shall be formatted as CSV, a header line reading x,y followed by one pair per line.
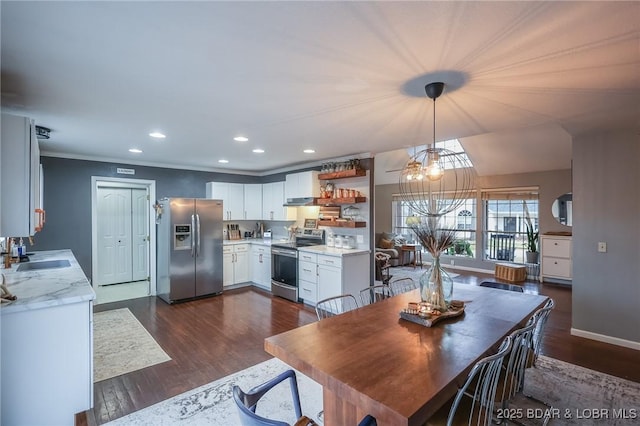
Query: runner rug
x,y
122,345
575,393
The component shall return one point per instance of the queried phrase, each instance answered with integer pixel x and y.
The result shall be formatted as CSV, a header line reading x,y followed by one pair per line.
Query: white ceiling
x,y
521,78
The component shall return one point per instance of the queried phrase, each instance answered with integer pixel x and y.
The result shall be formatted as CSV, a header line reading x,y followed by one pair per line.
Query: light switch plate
x,y
602,247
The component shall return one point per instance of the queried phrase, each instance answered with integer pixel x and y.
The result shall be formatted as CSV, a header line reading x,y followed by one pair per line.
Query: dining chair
x,y
502,286
247,402
474,402
335,305
402,285
541,316
374,293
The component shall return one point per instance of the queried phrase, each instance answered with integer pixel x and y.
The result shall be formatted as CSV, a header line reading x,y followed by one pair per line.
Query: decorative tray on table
x,y
416,313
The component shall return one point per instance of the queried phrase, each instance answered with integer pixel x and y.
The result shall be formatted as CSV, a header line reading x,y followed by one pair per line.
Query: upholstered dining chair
x,y
474,403
402,285
247,402
374,293
335,305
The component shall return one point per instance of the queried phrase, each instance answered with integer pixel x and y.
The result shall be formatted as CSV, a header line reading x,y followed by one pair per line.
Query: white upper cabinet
x,y
272,203
232,196
253,201
302,185
21,213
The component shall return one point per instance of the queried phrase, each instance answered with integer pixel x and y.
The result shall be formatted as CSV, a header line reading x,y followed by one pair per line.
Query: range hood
x,y
303,201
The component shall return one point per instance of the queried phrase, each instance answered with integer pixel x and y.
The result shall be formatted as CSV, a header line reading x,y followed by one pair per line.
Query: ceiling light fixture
x,y
258,151
424,184
309,151
135,150
223,161
157,135
241,139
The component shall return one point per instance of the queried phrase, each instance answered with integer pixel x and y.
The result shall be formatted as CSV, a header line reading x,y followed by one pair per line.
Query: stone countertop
x,y
46,288
332,251
258,241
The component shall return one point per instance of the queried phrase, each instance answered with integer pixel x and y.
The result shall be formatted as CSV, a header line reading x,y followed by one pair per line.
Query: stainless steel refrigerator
x,y
189,251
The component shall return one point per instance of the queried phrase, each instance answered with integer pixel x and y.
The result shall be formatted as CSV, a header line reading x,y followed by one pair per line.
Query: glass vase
x,y
436,286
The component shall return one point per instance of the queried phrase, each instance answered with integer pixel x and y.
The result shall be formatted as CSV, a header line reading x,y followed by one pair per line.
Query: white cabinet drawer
x,y
330,261
227,249
308,291
557,267
260,249
556,247
241,248
307,257
307,271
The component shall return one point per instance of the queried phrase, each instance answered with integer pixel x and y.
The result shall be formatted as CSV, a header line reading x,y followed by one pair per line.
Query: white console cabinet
x,y
556,257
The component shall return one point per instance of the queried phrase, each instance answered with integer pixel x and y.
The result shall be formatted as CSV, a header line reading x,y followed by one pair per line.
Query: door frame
x,y
114,182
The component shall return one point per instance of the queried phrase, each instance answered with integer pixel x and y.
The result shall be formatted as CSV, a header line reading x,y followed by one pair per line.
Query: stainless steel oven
x,y
284,262
284,272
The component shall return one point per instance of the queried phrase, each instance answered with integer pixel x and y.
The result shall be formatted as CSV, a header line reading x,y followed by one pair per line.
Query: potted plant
x,y
532,238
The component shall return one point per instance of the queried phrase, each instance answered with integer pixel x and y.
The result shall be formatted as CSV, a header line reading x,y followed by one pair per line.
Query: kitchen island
x,y
47,342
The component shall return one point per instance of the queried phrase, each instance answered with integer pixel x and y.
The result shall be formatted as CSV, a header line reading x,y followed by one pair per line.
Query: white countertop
x,y
332,251
46,288
258,241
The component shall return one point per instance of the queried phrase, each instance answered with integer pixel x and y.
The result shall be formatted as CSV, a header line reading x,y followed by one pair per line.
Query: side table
x,y
416,249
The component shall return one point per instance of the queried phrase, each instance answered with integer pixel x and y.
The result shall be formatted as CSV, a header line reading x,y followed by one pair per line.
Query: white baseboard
x,y
606,339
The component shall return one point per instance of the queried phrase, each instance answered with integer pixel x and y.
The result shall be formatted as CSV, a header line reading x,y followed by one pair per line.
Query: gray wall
x,y
551,185
606,205
67,198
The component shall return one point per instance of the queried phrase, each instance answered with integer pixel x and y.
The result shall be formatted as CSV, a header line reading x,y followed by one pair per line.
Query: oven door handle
x,y
286,253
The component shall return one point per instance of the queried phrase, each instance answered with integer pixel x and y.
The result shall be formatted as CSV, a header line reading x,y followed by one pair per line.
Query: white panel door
x,y
139,234
114,235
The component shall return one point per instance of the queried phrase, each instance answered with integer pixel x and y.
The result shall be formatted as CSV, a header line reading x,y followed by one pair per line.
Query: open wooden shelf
x,y
340,201
343,174
342,224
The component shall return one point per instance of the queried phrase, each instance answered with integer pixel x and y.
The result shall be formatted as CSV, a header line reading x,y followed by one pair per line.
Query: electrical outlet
x,y
453,262
360,239
602,247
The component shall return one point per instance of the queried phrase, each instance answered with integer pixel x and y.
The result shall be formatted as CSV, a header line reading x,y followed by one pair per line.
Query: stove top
x,y
305,237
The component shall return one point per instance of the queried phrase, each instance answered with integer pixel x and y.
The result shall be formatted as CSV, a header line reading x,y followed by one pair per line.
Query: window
x,y
463,219
505,235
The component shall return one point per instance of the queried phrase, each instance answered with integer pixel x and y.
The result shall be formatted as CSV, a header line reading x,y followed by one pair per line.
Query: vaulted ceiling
x,y
521,79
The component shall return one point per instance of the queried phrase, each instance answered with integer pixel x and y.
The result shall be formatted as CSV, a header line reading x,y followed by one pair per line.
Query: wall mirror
x,y
562,209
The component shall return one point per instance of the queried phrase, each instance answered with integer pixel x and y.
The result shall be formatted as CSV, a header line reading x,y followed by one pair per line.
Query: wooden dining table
x,y
370,361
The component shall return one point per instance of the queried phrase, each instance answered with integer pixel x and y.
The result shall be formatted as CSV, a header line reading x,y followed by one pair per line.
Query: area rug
x,y
122,345
565,386
213,405
573,395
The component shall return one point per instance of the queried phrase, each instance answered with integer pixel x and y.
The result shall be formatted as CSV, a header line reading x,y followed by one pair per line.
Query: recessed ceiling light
x,y
258,151
157,135
136,150
309,151
223,161
241,139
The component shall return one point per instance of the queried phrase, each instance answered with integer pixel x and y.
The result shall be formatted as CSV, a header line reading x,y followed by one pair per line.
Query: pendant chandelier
x,y
436,181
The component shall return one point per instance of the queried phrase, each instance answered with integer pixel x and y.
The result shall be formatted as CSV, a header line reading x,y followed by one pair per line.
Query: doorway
x,y
123,233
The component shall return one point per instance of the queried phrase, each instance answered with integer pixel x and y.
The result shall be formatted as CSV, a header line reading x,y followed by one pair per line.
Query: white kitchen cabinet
x,y
261,266
272,203
253,201
235,264
556,257
321,276
47,364
302,185
232,196
308,277
21,210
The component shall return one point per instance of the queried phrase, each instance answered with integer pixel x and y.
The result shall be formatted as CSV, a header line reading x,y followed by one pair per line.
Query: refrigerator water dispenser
x,y
182,237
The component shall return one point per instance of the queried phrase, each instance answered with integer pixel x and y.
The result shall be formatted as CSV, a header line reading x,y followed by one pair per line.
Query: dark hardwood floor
x,y
210,338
